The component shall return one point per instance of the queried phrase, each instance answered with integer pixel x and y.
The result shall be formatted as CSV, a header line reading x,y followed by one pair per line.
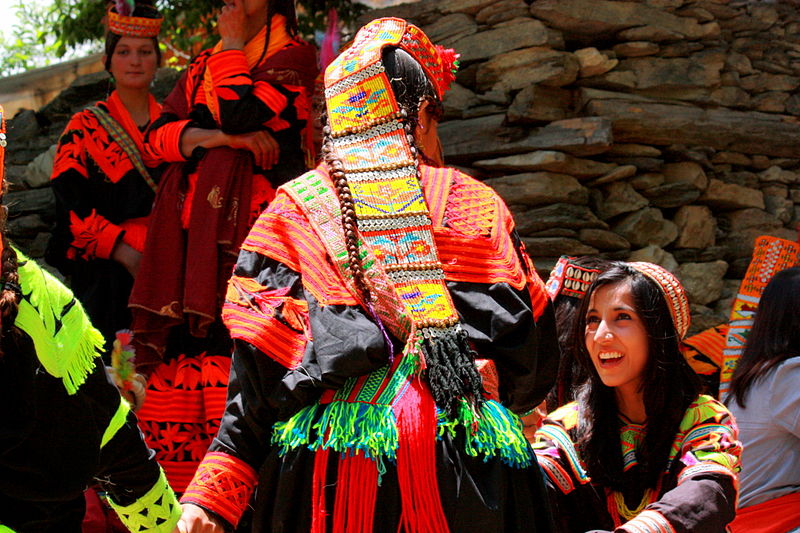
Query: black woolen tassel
x,y
451,371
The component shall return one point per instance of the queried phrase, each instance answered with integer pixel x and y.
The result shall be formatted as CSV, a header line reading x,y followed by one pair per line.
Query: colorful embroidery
x,y
569,278
649,522
673,292
157,511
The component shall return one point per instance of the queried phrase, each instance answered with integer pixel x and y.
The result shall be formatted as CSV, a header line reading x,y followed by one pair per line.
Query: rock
x,y
701,70
749,218
649,33
743,178
539,188
27,226
450,28
23,127
769,82
794,194
670,195
636,49
686,172
731,196
696,12
549,161
679,49
38,171
704,317
26,202
603,239
593,63
793,103
650,122
739,63
615,199
777,190
501,11
633,150
555,216
770,102
730,97
740,246
520,68
647,181
458,99
654,254
555,232
487,137
733,158
470,7
35,248
776,174
780,208
697,227
619,173
647,226
602,18
699,255
540,104
499,41
556,246
81,91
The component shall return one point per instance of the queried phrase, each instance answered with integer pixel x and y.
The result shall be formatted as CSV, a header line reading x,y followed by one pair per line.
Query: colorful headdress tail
x,y
129,26
673,292
569,278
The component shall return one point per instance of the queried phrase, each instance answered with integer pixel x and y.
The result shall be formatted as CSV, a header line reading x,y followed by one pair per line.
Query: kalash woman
x,y
234,128
640,450
104,184
358,303
62,421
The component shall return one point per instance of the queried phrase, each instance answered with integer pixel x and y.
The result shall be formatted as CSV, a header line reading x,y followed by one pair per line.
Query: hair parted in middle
x,y
669,386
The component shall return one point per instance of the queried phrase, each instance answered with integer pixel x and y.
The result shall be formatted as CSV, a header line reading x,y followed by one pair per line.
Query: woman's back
x,y
769,428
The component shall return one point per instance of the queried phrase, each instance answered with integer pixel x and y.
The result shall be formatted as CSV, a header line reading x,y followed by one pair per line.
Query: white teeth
x,y
609,355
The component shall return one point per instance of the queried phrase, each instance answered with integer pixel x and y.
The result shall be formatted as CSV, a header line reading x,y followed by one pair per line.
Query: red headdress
x,y
122,22
677,302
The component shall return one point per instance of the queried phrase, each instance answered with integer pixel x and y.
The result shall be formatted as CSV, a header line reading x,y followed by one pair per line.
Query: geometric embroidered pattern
x,y
223,484
569,278
673,292
157,511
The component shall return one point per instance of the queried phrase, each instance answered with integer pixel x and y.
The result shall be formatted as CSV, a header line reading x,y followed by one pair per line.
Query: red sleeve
x,y
94,236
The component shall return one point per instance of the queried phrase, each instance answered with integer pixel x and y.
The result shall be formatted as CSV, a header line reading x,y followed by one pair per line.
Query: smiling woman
x,y
640,449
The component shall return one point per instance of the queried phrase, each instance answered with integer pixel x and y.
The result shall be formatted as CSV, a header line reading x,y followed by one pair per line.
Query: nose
x,y
603,332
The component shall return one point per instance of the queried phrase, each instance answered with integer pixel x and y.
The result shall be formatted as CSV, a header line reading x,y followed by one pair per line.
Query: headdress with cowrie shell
x,y
673,292
122,22
370,136
570,278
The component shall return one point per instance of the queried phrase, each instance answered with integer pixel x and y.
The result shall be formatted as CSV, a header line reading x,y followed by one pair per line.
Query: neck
x,y
630,402
255,25
137,102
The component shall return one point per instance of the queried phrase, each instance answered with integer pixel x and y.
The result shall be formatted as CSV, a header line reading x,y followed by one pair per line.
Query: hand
x,y
261,144
196,520
127,256
232,25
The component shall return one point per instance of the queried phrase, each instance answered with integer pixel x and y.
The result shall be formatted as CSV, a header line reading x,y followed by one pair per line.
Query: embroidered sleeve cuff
x,y
229,67
106,240
164,142
648,522
158,511
222,484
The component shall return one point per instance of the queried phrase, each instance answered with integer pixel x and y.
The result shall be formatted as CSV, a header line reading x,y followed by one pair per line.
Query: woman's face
x,y
616,338
134,62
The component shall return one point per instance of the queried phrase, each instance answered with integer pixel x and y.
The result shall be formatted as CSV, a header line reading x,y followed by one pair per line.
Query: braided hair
x,y
9,280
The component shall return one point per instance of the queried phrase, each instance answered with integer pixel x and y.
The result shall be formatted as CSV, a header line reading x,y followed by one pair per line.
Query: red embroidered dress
x,y
102,196
356,441
203,210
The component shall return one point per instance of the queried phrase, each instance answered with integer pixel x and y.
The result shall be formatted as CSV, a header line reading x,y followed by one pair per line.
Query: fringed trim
x,y
341,426
494,432
319,507
356,493
66,342
157,511
223,484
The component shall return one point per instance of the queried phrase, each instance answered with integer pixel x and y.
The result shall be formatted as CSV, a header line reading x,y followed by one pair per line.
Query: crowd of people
x,y
351,336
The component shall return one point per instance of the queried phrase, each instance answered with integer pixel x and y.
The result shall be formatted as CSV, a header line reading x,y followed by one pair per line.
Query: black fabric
x,y
50,444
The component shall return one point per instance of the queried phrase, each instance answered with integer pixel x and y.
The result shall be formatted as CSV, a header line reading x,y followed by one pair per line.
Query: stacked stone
x,y
657,130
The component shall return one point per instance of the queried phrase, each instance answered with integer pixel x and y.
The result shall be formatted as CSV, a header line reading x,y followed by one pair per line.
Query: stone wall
x,y
658,130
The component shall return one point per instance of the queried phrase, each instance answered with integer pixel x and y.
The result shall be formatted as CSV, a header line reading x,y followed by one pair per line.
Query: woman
x,y
62,422
104,185
765,399
640,450
233,130
357,319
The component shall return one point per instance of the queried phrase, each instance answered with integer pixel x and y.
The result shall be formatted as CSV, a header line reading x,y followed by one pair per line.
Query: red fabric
x,y
416,462
319,517
94,236
164,142
135,233
356,492
223,484
778,515
99,517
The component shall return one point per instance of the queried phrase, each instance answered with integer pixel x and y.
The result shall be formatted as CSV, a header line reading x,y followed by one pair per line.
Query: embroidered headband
x,y
673,293
130,26
569,278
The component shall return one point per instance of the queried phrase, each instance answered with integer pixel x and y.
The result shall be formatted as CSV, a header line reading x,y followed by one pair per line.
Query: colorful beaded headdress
x,y
570,278
673,292
368,135
121,21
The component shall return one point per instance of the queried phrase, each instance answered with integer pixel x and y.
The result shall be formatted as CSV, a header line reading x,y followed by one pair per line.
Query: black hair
x,y
112,39
775,335
669,386
285,8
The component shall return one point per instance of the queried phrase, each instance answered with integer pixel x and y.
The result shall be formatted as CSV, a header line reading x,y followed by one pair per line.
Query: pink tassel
x,y
125,7
329,48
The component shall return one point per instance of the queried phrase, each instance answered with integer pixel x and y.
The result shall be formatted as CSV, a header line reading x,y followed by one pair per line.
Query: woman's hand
x,y
127,256
196,520
232,25
261,144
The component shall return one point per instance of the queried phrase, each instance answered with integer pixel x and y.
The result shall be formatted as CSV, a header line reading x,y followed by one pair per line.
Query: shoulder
x,y
566,416
704,409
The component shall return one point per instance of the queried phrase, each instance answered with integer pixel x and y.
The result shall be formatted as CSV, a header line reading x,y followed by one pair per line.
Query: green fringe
x,y
341,426
495,432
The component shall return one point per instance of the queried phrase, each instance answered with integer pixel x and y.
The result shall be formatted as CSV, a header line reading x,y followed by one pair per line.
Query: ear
x,y
425,119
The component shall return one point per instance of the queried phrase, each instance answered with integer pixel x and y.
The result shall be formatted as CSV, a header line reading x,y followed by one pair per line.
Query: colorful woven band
x,y
128,26
569,278
770,256
673,292
157,511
